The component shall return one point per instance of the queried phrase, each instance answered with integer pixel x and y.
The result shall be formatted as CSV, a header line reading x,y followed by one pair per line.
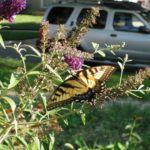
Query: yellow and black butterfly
x,y
81,87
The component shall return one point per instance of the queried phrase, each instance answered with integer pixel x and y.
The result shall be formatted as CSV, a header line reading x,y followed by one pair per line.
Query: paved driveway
x,y
11,53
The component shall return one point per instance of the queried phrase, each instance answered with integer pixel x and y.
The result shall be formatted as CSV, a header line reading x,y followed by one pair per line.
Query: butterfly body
x,y
81,87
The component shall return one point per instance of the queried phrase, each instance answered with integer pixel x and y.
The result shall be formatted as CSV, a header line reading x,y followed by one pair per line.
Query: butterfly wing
x,y
80,86
65,93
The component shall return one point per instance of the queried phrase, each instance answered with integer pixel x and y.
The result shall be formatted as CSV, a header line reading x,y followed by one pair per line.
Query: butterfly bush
x,y
63,54
66,48
74,62
9,9
28,123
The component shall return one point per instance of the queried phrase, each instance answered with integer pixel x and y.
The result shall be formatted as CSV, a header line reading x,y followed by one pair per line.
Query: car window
x,y
100,20
126,22
59,15
145,15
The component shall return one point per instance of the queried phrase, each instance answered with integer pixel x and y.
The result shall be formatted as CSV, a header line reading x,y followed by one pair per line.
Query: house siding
x,y
33,5
37,5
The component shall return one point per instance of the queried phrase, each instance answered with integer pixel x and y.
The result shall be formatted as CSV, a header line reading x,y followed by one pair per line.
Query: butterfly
x,y
81,87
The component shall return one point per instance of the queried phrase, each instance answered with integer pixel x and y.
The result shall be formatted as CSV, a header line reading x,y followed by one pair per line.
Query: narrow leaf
x,y
34,73
101,53
131,93
141,86
37,142
83,118
34,50
52,141
121,146
126,58
11,103
54,72
70,146
22,140
2,42
95,46
136,136
120,65
128,126
1,85
13,81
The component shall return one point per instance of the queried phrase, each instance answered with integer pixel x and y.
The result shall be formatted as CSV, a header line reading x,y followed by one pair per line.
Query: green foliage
x,y
25,121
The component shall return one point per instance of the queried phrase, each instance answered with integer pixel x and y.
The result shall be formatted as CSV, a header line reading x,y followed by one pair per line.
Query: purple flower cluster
x,y
9,8
74,62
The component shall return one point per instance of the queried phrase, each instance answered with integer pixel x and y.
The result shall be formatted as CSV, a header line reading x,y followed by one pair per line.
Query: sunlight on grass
x,y
23,22
25,18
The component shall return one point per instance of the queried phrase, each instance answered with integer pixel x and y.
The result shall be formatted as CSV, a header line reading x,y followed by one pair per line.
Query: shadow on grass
x,y
15,35
107,125
21,26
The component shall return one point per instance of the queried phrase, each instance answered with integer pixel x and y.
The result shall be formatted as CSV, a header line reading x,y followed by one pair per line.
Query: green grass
x,y
23,22
18,35
24,27
107,125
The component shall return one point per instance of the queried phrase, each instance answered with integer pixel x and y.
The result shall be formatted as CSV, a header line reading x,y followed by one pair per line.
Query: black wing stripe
x,y
85,74
61,90
92,70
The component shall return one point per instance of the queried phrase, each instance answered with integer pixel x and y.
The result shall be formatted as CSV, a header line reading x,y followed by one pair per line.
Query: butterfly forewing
x,y
69,89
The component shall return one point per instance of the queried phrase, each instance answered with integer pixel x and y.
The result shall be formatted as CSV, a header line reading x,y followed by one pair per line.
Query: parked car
x,y
118,22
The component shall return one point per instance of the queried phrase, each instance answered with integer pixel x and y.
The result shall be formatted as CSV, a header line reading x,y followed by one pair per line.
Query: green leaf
x,y
101,53
54,72
113,53
66,122
1,85
52,141
110,146
128,126
120,65
141,86
95,46
83,118
133,94
44,100
14,80
121,146
22,140
13,107
70,146
34,50
37,142
34,73
135,135
120,59
142,92
11,103
1,41
126,57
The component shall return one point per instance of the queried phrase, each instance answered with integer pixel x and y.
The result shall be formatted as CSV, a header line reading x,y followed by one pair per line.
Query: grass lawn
x,y
23,27
23,22
106,126
103,126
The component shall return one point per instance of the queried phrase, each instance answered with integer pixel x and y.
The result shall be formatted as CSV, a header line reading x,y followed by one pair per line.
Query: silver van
x,y
115,25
